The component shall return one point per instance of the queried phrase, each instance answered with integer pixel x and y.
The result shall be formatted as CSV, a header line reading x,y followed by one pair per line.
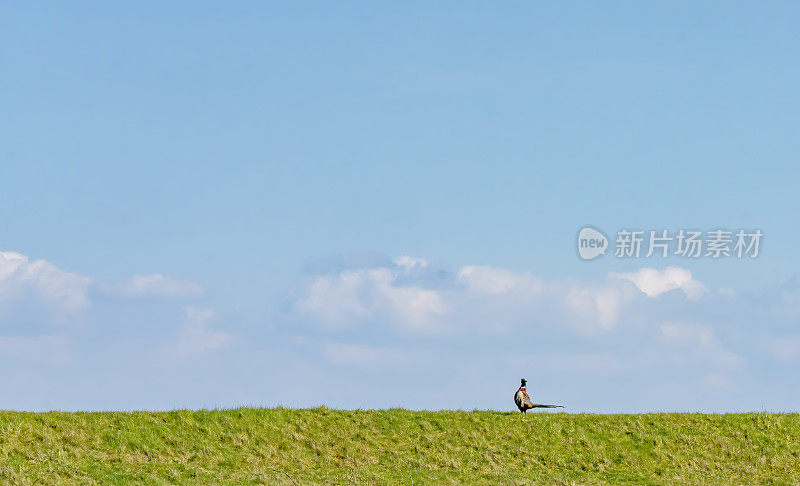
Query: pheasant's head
x,y
523,382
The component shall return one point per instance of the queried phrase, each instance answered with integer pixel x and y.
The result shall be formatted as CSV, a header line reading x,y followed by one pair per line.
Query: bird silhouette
x,y
523,400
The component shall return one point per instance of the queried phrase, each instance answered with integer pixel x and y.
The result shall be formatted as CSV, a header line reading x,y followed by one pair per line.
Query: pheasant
x,y
523,400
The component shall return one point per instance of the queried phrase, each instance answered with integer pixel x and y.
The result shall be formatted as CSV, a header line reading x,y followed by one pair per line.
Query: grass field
x,y
285,446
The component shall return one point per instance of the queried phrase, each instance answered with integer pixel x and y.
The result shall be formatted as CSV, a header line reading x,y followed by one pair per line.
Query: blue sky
x,y
366,205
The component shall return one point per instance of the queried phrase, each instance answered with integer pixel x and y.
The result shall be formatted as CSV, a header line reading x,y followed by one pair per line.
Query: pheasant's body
x,y
523,400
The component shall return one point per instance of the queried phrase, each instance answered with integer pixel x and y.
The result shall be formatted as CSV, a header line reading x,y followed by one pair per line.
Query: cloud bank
x,y
414,296
377,332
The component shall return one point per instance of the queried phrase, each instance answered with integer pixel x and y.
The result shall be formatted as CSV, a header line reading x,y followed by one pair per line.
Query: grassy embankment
x,y
284,446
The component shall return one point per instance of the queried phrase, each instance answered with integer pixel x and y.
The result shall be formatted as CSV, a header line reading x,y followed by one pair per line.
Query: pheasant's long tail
x,y
540,405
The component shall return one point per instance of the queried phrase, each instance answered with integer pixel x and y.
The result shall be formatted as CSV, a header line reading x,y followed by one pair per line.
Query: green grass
x,y
284,446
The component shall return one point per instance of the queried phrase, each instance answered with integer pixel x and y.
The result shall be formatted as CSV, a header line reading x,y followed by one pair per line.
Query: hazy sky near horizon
x,y
371,205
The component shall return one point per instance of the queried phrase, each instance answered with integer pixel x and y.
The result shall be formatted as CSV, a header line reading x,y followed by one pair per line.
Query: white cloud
x,y
600,306
42,282
157,285
199,315
654,283
343,299
491,280
584,308
410,263
197,337
700,337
